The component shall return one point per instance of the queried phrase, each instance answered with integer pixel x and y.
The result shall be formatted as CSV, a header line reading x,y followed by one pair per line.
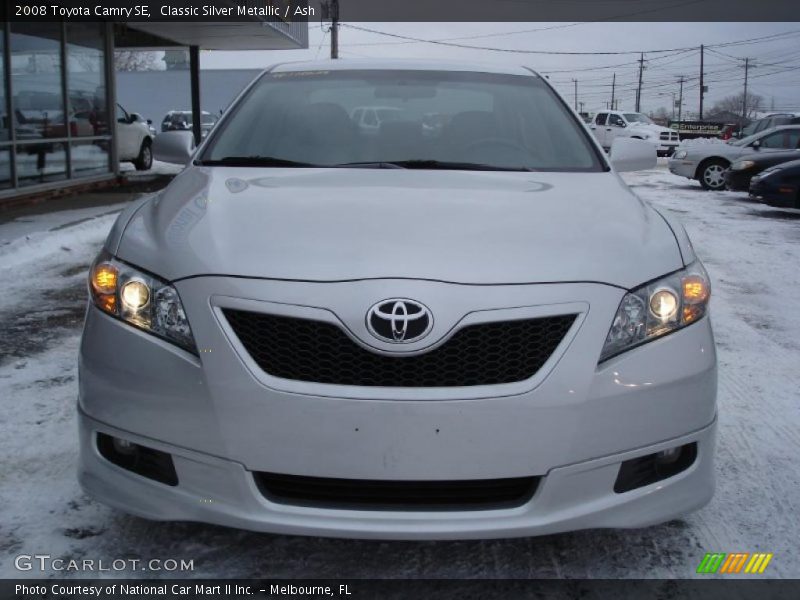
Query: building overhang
x,y
246,35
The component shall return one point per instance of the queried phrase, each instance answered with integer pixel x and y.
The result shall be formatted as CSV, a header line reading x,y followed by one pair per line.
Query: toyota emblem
x,y
399,320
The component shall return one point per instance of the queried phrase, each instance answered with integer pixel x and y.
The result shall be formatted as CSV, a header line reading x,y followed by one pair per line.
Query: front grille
x,y
671,135
315,351
362,494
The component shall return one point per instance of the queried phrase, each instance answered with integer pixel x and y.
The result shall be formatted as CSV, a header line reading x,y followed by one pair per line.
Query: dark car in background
x,y
769,122
779,185
738,175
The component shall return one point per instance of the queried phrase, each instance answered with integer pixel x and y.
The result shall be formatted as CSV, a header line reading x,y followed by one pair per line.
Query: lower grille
x,y
315,351
362,494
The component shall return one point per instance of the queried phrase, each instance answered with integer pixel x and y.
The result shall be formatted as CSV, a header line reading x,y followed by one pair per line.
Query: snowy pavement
x,y
752,253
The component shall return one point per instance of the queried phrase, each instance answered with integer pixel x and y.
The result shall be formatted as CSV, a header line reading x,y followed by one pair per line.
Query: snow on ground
x,y
752,253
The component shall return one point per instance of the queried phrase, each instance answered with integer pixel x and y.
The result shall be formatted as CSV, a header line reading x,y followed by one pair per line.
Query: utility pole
x,y
613,89
680,102
639,89
744,98
334,8
702,87
329,9
576,94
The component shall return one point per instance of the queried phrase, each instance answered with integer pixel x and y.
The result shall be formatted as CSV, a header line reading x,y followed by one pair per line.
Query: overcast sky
x,y
776,75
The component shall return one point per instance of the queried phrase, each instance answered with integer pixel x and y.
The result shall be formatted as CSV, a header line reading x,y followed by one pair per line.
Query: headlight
x,y
680,154
139,299
658,308
741,165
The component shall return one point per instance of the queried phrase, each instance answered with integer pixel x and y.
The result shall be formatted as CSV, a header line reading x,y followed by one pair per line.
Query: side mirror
x,y
149,121
629,154
174,147
135,117
756,145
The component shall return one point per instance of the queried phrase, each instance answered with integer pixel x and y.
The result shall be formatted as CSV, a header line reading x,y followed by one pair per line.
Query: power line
x,y
564,53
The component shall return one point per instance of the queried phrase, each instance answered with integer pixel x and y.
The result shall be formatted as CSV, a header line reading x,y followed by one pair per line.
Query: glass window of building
x,y
40,120
86,98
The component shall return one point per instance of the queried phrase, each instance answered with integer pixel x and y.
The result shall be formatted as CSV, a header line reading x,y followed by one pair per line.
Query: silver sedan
x,y
470,331
707,160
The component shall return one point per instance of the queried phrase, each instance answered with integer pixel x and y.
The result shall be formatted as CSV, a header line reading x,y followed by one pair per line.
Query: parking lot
x,y
752,253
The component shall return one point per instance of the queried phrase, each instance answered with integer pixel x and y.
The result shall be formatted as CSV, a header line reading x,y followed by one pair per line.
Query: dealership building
x,y
59,88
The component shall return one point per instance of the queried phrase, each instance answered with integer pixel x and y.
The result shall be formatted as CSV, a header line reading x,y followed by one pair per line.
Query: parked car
x,y
149,122
608,125
707,160
181,120
738,175
134,140
769,122
779,185
331,333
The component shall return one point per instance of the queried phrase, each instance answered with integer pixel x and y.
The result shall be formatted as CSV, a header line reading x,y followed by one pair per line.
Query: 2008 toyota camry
x,y
398,300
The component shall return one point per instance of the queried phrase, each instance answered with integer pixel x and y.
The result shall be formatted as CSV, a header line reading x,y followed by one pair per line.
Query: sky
x,y
775,74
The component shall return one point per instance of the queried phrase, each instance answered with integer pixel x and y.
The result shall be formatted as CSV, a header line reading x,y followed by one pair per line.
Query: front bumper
x,y
572,424
570,497
737,181
775,194
682,167
665,148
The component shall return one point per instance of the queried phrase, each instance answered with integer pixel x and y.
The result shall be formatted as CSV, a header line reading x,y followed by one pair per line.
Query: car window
x,y
496,120
122,116
616,120
786,139
600,119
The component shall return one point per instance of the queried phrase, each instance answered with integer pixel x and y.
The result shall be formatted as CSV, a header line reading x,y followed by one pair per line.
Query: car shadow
x,y
787,215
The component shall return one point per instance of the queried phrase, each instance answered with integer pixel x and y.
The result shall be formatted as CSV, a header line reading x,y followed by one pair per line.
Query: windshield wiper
x,y
451,165
254,161
370,165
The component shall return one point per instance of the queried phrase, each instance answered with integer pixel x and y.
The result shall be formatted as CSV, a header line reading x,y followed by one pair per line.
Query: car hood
x,y
765,159
455,226
650,127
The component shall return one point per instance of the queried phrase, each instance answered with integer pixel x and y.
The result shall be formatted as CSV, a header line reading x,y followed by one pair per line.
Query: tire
x,y
710,174
144,161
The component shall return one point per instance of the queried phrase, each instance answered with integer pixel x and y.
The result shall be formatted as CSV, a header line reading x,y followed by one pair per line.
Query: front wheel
x,y
712,174
144,161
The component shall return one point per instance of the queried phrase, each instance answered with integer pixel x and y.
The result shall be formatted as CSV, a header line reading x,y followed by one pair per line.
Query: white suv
x,y
611,124
134,140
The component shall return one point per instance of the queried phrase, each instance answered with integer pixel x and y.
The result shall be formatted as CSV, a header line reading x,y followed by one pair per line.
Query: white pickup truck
x,y
608,125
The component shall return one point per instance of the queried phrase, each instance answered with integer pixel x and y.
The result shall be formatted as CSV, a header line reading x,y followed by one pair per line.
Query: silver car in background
x,y
472,330
707,160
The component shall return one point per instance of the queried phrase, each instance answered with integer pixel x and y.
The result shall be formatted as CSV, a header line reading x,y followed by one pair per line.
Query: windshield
x,y
414,119
746,140
637,118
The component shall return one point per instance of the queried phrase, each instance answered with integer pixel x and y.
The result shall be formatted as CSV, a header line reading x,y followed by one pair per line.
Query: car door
x,y
598,128
128,134
781,140
615,127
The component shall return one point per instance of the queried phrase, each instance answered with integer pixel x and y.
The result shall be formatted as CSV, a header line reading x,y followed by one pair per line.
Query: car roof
x,y
400,64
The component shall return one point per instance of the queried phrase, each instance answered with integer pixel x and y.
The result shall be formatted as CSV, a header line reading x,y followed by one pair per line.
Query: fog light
x,y
668,456
135,294
124,446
